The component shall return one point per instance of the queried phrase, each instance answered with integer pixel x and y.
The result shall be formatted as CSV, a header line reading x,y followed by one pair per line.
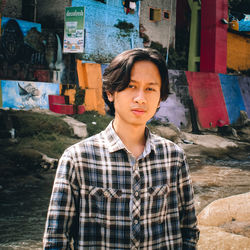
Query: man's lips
x,y
138,111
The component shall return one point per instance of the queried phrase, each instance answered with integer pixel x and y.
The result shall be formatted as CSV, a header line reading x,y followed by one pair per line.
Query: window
x,y
154,14
166,15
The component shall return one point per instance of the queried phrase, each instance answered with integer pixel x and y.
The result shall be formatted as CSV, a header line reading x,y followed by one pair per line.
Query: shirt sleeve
x,y
61,225
188,220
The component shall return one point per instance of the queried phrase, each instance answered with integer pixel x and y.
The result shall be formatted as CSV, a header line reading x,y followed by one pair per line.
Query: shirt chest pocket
x,y
108,206
155,203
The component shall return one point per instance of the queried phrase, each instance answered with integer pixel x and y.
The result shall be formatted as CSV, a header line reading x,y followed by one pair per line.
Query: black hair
x,y
116,76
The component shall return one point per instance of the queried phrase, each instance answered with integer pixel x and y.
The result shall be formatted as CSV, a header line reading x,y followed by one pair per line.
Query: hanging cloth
x,y
132,5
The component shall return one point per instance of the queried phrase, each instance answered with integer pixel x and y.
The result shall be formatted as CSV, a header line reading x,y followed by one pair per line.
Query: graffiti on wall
x,y
27,95
25,51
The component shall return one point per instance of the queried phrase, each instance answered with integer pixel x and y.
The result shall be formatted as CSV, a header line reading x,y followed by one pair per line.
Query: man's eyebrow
x,y
150,83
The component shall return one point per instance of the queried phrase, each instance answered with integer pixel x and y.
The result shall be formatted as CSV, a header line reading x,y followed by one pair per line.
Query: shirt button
x,y
136,194
136,222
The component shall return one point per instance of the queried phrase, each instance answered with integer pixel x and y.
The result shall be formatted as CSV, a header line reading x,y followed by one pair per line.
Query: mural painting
x,y
27,95
25,52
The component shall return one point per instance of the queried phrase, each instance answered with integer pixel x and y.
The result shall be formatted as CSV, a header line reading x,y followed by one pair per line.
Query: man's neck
x,y
132,136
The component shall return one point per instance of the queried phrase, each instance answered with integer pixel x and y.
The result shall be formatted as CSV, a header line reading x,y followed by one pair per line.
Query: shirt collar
x,y
114,143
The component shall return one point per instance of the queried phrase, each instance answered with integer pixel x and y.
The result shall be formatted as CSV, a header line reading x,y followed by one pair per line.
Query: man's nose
x,y
140,97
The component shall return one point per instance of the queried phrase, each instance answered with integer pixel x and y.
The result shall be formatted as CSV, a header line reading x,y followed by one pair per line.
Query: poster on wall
x,y
27,95
74,30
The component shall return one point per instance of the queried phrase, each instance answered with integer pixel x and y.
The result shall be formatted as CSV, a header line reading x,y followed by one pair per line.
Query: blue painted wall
x,y
244,83
27,95
232,95
103,39
24,25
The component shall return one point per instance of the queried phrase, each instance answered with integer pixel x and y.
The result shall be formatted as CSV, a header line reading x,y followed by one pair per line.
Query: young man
x,y
125,188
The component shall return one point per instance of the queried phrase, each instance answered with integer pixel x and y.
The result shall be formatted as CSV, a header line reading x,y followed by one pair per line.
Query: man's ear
x,y
110,96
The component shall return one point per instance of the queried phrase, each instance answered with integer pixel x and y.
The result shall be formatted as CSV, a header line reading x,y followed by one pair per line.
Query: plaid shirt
x,y
104,198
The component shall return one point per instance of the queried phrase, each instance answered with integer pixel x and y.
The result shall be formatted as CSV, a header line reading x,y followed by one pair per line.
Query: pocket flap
x,y
158,190
105,192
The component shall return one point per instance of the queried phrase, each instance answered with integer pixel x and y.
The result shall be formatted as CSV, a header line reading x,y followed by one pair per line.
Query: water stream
x,y
23,208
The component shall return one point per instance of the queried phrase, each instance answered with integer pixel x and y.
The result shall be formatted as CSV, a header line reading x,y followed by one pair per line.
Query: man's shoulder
x,y
160,141
97,140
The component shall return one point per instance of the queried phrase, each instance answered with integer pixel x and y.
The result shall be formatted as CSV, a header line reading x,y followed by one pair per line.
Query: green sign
x,y
74,30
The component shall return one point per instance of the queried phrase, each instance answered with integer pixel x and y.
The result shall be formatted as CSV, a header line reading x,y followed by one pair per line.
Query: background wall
x,y
162,31
12,8
103,39
217,98
27,95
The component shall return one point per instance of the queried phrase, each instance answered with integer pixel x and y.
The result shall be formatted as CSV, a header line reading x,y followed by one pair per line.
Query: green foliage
x,y
124,26
159,47
178,57
28,124
94,121
45,133
79,96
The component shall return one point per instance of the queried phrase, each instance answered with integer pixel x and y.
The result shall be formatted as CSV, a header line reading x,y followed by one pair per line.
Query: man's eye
x,y
150,89
131,86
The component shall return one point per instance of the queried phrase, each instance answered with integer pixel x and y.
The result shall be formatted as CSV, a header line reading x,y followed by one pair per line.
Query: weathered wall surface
x,y
208,98
104,40
162,31
244,83
218,99
175,108
232,95
12,8
52,12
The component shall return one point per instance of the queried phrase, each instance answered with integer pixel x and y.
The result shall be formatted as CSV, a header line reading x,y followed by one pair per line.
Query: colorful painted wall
x,y
217,98
26,53
26,95
108,29
213,50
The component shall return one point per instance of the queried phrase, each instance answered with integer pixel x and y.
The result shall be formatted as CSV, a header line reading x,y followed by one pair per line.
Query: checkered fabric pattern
x,y
104,198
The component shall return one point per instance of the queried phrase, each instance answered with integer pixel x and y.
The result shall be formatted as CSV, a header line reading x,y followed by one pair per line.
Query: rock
x,y
210,145
209,141
214,238
244,133
225,224
219,212
170,132
79,128
237,227
48,162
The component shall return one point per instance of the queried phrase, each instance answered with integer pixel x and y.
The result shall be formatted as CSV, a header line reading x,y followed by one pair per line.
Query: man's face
x,y
136,104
